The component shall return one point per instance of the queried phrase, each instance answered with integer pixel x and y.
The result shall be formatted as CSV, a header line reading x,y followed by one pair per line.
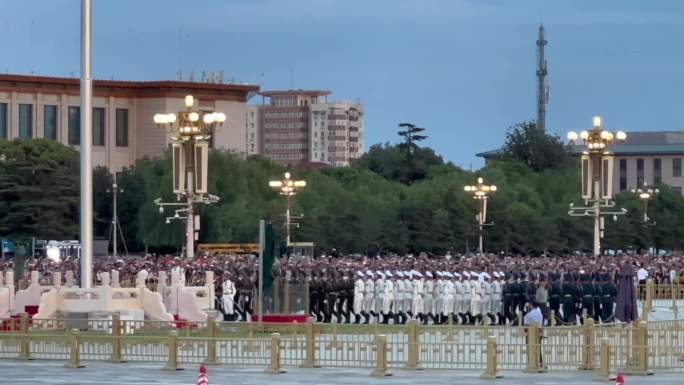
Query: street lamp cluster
x,y
481,192
597,177
288,187
645,194
191,131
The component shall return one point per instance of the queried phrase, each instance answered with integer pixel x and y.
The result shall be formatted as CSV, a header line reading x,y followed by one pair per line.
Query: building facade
x,y
303,127
123,126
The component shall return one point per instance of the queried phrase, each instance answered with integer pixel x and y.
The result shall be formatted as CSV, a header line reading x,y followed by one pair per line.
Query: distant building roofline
x,y
295,92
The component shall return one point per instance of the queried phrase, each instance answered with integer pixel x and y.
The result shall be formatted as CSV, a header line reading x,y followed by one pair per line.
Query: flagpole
x,y
262,244
86,220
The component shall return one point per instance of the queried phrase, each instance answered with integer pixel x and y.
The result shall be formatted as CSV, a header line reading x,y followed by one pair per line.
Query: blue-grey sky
x,y
464,69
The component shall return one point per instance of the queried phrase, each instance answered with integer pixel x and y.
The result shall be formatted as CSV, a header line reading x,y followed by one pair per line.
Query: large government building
x,y
123,126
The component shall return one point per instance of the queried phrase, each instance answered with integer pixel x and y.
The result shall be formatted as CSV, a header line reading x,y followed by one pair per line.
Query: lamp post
x,y
116,227
645,194
597,177
481,193
191,131
288,188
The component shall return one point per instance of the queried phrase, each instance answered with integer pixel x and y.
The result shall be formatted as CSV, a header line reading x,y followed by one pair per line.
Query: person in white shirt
x,y
642,276
408,293
534,317
476,298
448,309
228,298
496,298
467,295
439,297
398,300
379,291
418,291
487,298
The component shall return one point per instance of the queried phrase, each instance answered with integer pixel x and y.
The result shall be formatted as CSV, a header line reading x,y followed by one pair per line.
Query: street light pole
x,y
481,192
288,188
597,177
645,194
191,131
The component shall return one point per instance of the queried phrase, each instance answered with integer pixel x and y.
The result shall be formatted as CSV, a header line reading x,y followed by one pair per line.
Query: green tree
x,y
534,147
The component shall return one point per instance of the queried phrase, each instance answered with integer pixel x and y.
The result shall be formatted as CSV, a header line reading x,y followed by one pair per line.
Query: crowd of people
x,y
473,289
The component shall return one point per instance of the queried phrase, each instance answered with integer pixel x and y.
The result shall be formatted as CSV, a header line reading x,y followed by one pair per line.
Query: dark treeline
x,y
387,201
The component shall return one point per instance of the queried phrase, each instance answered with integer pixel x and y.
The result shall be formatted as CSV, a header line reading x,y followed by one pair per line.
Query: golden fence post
x,y
553,318
649,297
413,346
116,338
211,341
172,362
286,300
588,345
492,360
533,351
74,350
584,316
450,330
604,365
25,342
675,308
310,359
380,357
639,359
274,367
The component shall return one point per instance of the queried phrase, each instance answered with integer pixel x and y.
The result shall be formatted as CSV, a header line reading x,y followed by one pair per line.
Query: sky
x,y
463,69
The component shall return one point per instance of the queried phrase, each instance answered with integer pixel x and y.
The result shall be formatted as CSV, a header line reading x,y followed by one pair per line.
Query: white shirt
x,y
533,318
642,274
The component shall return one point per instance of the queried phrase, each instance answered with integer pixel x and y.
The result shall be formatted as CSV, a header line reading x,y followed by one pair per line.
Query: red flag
x,y
202,378
620,380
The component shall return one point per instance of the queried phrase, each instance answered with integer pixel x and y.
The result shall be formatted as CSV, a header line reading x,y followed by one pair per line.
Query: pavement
x,y
54,372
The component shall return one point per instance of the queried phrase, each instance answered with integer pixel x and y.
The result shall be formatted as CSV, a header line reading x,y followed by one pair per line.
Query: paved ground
x,y
49,372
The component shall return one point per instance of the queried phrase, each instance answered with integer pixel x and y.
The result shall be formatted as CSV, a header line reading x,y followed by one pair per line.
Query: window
x,y
3,120
122,127
657,171
74,126
98,126
677,189
640,173
25,121
676,162
50,122
623,174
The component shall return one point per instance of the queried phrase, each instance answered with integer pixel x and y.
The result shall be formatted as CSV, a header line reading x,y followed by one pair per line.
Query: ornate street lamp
x,y
481,193
645,194
288,188
597,177
191,131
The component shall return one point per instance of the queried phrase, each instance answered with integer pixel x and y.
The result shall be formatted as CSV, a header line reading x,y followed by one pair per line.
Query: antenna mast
x,y
542,87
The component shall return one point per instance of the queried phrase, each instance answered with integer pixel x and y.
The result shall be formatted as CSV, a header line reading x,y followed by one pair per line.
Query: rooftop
x,y
296,92
154,88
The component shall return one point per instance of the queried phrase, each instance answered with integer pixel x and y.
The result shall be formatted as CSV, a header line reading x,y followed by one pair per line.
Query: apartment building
x,y
123,127
302,126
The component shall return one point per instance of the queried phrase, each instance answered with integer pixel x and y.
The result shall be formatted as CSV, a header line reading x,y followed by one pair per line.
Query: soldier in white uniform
x,y
476,298
439,297
496,298
387,297
228,298
448,308
428,296
369,297
459,300
467,294
487,298
398,303
408,294
418,293
359,286
379,291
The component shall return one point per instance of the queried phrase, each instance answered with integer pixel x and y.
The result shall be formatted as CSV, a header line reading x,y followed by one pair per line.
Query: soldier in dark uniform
x,y
598,294
349,298
328,299
587,295
609,293
516,292
555,294
315,297
507,294
569,299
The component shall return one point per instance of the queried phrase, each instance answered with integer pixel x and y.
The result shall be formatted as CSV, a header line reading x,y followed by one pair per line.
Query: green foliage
x,y
534,147
374,206
39,182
